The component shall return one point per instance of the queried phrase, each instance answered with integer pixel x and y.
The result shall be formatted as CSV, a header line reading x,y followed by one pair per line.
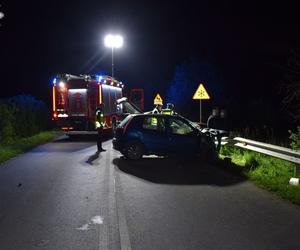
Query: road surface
x,y
62,195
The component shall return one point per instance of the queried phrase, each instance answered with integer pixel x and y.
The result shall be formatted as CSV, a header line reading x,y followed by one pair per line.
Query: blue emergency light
x,y
100,78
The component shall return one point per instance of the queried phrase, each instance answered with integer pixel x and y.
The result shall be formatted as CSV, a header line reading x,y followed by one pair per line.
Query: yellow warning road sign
x,y
158,100
201,93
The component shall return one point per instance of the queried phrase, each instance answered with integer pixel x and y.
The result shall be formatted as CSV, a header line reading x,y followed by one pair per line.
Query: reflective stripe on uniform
x,y
100,119
98,124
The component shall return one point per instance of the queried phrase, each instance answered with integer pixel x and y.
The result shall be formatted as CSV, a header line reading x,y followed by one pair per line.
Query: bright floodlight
x,y
113,41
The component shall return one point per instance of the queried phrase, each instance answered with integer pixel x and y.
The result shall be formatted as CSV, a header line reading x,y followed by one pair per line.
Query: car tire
x,y
133,150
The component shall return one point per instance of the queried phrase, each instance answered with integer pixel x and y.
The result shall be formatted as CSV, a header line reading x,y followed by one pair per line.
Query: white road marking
x,y
104,230
42,243
123,228
97,220
84,227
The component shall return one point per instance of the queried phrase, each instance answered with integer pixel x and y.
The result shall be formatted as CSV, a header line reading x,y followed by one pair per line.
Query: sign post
x,y
201,94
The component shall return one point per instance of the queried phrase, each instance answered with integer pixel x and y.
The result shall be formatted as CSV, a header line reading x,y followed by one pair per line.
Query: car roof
x,y
158,115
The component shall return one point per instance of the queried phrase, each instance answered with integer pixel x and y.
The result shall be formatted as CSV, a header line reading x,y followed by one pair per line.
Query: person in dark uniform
x,y
214,119
169,110
100,122
214,122
218,121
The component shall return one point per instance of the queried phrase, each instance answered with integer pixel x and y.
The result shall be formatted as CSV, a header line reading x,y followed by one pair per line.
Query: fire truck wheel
x,y
133,150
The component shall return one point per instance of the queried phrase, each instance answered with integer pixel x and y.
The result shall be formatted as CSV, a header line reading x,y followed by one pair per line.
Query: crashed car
x,y
163,135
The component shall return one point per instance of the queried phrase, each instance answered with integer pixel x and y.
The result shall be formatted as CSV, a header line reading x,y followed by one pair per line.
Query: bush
x,y
295,139
268,172
22,116
21,145
7,132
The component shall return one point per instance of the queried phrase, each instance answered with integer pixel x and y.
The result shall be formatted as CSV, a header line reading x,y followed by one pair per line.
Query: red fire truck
x,y
75,99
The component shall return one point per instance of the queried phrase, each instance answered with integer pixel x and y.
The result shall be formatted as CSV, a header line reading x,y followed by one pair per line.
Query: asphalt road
x,y
62,195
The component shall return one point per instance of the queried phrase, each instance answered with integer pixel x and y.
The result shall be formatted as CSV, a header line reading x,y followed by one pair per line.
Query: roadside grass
x,y
267,172
22,145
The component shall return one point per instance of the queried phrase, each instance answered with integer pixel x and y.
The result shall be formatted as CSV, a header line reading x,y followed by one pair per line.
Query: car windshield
x,y
193,124
180,127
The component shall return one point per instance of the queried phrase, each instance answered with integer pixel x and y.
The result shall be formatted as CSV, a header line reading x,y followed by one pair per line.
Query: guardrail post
x,y
295,181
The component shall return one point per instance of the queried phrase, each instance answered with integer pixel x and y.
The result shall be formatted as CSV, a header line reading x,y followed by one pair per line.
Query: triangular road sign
x,y
158,100
201,93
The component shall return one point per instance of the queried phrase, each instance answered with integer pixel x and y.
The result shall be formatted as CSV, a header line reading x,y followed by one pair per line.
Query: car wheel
x,y
133,150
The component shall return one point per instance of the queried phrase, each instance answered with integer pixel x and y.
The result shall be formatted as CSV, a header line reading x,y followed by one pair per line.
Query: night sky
x,y
247,42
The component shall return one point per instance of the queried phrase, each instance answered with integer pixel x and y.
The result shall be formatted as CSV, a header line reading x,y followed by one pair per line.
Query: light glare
x,y
113,41
61,85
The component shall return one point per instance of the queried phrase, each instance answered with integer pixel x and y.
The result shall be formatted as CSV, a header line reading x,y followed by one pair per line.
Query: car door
x,y
154,135
182,136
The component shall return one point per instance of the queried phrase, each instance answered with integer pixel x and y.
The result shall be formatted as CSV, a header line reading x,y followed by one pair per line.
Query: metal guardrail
x,y
268,149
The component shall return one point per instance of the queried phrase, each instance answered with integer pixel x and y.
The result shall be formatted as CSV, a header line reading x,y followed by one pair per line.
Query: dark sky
x,y
246,41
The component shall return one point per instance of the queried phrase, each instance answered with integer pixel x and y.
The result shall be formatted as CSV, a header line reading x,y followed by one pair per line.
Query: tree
x,y
187,78
291,87
7,132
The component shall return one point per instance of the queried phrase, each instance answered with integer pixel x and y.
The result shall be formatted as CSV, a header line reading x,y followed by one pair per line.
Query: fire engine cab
x,y
75,99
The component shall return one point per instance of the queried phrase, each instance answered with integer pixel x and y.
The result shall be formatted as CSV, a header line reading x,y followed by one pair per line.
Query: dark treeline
x,y
253,110
22,116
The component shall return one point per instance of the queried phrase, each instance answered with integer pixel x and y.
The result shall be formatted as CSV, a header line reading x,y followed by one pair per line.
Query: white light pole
x,y
113,41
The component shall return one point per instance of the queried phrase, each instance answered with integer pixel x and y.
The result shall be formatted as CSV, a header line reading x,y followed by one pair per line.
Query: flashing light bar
x,y
54,81
100,78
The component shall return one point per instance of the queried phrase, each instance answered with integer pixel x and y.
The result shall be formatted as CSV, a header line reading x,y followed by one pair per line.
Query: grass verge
x,y
267,172
20,146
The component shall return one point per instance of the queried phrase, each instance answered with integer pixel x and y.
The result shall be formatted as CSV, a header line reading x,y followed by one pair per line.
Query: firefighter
x,y
157,109
169,110
100,122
